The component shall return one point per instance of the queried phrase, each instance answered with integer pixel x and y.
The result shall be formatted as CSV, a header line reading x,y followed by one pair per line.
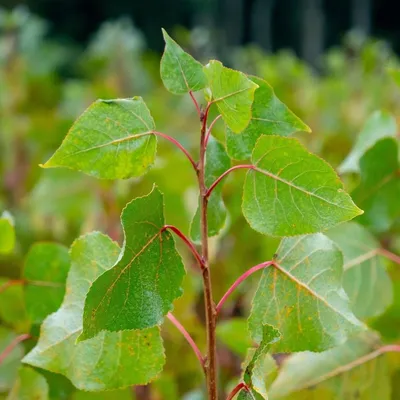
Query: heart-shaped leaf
x,y
112,139
291,191
303,298
139,289
180,72
232,92
111,360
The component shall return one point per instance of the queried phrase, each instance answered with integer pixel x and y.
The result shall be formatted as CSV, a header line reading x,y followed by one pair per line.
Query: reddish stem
x,y
219,179
196,104
188,338
13,282
210,129
188,243
12,346
177,144
237,389
388,254
238,281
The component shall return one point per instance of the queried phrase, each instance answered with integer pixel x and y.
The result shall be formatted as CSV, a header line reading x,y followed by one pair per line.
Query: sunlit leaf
x,y
217,162
292,191
303,298
29,385
379,125
269,117
141,287
379,190
46,269
365,279
9,366
111,360
7,233
354,370
232,92
180,72
112,139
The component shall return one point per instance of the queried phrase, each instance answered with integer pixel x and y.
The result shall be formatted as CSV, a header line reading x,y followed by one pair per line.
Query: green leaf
x,y
379,125
46,269
140,288
125,394
245,395
7,233
30,385
217,162
269,117
112,139
180,72
395,74
365,279
379,190
233,333
9,366
232,92
12,307
254,375
111,360
302,297
292,191
354,370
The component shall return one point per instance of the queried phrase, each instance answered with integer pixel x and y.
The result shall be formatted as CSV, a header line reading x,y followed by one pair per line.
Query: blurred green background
x,y
56,57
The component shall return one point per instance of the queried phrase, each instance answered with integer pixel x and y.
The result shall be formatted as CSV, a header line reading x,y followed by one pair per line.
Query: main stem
x,y
211,359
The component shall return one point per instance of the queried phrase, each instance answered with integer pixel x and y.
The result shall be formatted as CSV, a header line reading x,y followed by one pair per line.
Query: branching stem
x,y
187,241
196,104
240,386
12,346
210,128
188,338
219,179
238,281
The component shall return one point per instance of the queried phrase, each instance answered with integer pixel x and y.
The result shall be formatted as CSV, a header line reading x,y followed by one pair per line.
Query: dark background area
x,y
306,26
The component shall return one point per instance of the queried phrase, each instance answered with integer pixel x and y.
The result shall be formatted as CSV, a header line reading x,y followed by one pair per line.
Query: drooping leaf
x,y
233,333
112,139
354,370
232,92
9,366
379,190
217,162
365,279
141,287
379,125
255,372
269,117
303,298
7,233
29,385
46,269
180,72
111,360
125,394
292,191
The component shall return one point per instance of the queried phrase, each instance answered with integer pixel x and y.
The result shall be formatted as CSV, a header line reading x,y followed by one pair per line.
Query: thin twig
x,y
219,179
240,386
13,282
188,243
188,338
241,278
196,104
388,254
12,346
177,144
210,129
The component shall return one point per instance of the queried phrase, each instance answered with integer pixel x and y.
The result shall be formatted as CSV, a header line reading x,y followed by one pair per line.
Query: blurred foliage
x,y
41,95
